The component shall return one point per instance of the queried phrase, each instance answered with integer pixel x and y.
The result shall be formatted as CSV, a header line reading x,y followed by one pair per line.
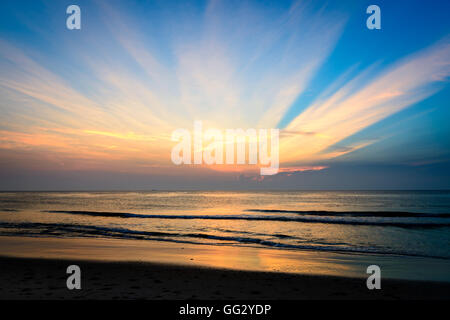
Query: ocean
x,y
405,223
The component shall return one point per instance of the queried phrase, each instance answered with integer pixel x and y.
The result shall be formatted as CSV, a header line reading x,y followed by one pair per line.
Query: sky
x,y
95,108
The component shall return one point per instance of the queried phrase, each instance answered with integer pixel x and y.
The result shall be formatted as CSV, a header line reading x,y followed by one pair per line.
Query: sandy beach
x,y
110,269
22,278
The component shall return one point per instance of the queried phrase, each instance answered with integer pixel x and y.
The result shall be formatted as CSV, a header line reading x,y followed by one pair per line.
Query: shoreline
x,y
37,279
35,268
238,258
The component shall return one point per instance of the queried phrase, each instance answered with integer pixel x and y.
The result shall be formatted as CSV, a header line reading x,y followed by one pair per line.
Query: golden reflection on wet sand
x,y
240,258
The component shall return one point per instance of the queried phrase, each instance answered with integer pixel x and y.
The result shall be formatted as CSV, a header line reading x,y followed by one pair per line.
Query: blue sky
x,y
102,101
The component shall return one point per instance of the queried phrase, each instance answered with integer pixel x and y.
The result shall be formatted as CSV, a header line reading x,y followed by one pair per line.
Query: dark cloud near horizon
x,y
336,177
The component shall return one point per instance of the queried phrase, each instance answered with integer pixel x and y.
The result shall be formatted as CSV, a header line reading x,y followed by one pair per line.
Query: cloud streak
x,y
351,110
233,67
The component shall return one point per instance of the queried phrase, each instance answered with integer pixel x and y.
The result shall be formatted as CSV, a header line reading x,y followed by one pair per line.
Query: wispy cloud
x,y
243,72
350,110
235,67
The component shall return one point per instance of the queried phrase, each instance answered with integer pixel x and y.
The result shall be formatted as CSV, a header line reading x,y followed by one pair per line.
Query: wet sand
x,y
35,268
23,278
